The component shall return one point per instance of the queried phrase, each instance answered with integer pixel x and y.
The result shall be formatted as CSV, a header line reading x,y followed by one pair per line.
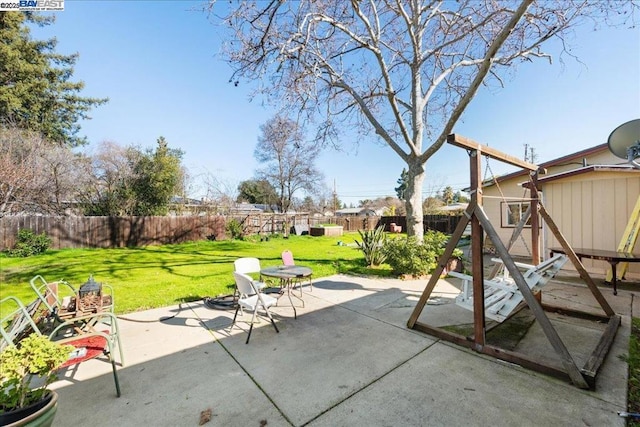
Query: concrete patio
x,y
348,359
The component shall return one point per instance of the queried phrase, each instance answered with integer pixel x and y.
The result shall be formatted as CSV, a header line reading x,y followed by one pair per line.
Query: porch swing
x,y
480,224
502,298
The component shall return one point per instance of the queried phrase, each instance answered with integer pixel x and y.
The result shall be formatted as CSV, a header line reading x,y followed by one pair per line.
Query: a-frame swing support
x,y
480,224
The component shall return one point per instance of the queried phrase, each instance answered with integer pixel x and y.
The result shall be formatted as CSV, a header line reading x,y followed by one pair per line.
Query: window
x,y
512,213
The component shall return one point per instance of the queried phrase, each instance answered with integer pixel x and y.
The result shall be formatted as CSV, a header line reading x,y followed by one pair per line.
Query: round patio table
x,y
288,274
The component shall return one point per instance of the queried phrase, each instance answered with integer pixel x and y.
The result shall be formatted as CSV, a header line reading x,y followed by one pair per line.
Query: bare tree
x,y
35,175
63,172
406,69
288,158
107,192
18,168
221,195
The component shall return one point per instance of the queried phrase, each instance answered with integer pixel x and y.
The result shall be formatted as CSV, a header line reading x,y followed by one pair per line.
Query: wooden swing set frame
x,y
583,378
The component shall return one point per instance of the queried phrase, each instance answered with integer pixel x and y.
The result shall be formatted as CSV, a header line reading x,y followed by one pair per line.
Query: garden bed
x,y
328,230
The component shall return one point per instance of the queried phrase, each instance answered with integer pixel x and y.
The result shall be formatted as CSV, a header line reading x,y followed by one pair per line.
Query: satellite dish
x,y
624,141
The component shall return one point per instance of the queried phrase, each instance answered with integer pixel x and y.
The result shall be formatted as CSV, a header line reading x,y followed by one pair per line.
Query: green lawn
x,y
157,276
633,385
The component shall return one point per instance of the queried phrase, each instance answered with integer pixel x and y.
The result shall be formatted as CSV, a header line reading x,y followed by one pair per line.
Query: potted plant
x,y
35,357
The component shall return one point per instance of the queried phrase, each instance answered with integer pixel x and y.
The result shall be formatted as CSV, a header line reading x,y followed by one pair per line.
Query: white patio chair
x,y
249,266
252,299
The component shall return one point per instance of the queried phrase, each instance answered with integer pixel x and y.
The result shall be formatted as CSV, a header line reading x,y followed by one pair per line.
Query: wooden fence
x,y
110,232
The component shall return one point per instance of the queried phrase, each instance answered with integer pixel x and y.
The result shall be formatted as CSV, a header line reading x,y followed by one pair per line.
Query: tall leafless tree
x,y
110,172
289,160
406,69
35,175
220,195
18,168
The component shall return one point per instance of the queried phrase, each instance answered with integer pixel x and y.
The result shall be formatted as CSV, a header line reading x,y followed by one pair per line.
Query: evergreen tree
x,y
35,88
447,195
402,184
257,191
157,179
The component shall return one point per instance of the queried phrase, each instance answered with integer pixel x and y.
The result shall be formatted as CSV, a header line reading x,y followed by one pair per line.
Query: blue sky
x,y
157,62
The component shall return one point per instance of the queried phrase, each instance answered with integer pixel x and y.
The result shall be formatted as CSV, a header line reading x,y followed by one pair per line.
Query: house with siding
x,y
589,194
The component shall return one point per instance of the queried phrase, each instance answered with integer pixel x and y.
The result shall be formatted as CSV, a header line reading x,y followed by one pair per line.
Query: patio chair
x,y
287,259
98,335
17,321
249,265
252,299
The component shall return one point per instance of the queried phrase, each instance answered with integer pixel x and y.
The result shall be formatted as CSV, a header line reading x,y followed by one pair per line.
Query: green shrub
x,y
408,256
29,243
438,241
234,229
372,246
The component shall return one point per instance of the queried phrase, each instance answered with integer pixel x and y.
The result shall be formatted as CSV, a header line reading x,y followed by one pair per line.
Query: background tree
x,y
460,198
390,206
288,159
406,69
35,88
221,196
309,205
324,198
19,177
402,184
108,192
447,195
157,178
257,191
36,176
431,205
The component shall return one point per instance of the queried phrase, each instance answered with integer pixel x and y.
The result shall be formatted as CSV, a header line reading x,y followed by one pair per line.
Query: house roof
x,y
358,211
593,168
569,158
246,207
453,207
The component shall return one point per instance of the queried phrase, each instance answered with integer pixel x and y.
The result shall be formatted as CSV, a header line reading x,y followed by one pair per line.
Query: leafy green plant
x,y
29,243
234,229
438,241
35,356
372,245
408,256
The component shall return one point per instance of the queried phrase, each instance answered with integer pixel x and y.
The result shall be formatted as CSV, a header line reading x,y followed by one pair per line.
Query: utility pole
x,y
335,197
530,154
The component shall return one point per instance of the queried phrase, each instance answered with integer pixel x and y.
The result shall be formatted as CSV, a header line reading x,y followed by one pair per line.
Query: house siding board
x,y
493,205
587,208
576,196
598,219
